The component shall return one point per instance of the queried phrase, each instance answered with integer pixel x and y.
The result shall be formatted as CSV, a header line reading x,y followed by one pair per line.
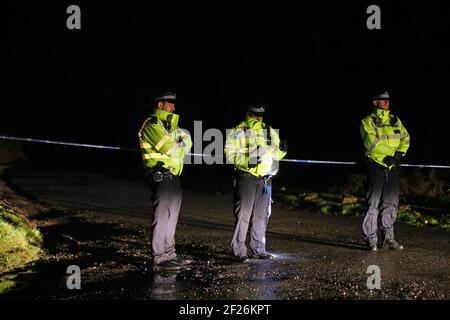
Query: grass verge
x,y
19,244
430,212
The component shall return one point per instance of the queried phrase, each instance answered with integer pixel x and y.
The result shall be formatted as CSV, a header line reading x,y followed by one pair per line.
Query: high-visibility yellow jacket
x,y
383,134
162,141
254,142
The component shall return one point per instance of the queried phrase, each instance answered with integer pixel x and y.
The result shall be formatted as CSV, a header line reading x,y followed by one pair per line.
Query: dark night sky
x,y
315,63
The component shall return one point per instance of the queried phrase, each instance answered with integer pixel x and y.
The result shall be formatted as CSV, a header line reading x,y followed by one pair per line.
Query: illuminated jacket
x,y
254,142
161,140
383,134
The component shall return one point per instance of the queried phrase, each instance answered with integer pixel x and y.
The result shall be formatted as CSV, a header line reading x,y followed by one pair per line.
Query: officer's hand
x,y
283,146
252,163
398,157
389,160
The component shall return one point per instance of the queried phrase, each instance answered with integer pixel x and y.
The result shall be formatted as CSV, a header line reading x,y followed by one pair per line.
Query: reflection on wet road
x,y
103,225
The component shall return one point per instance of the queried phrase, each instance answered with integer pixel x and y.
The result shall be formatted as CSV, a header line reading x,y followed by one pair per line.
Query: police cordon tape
x,y
85,145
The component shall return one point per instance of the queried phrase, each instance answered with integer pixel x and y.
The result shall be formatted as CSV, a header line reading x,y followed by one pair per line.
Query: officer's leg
x,y
174,211
163,193
244,198
260,218
389,204
376,181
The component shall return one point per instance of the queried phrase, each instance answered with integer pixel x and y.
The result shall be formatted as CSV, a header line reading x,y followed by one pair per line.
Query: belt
x,y
244,174
158,174
265,179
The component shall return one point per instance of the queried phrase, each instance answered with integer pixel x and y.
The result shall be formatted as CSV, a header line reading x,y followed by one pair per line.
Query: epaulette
x,y
153,120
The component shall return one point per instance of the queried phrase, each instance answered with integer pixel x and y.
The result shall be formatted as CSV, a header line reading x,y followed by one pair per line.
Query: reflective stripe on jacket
x,y
253,142
161,140
383,134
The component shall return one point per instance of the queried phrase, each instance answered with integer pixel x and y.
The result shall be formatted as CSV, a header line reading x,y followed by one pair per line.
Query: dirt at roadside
x,y
102,247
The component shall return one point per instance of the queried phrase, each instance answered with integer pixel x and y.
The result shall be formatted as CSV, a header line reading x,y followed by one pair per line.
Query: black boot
x,y
263,256
166,266
180,261
372,246
243,259
392,244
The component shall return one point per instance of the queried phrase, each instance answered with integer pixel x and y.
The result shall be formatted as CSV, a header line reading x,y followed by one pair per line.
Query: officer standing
x,y
386,141
163,146
254,149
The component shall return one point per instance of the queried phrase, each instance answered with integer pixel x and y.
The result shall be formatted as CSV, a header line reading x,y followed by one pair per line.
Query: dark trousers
x,y
382,197
166,197
252,208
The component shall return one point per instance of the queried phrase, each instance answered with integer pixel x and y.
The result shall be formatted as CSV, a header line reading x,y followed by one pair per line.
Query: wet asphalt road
x,y
102,224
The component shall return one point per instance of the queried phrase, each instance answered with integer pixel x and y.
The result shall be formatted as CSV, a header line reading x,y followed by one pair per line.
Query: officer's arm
x,y
372,144
183,143
158,137
275,140
144,141
404,139
235,147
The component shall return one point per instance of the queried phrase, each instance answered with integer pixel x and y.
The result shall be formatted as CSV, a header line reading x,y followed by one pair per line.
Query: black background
x,y
315,63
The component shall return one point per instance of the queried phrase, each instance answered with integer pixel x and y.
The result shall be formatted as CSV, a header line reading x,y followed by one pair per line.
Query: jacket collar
x,y
253,123
380,113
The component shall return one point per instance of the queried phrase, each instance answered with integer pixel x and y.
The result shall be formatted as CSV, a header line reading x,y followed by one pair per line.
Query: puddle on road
x,y
256,279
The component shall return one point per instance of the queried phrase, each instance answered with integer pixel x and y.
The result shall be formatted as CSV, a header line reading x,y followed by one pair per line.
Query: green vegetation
x,y
6,282
431,212
19,244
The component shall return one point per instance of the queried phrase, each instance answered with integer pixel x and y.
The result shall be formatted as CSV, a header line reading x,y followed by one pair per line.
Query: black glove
x,y
389,161
398,157
252,163
283,146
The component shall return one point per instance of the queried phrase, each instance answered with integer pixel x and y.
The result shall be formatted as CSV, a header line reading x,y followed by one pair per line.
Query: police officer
x,y
163,146
254,149
386,141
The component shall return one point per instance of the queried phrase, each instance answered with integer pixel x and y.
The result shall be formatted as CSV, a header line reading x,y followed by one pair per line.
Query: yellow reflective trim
x,y
143,126
145,145
373,144
238,149
162,141
158,155
384,137
148,156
